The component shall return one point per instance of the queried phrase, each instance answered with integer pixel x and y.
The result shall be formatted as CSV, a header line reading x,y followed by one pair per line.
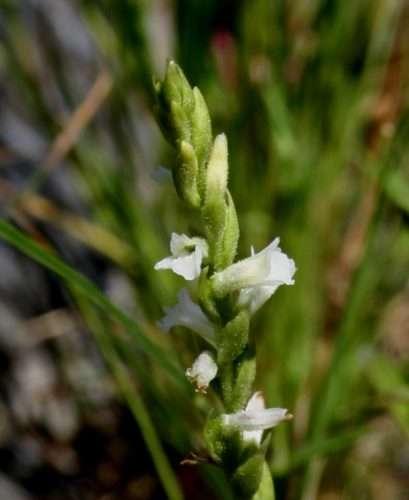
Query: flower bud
x,y
217,171
201,135
218,209
186,175
203,371
176,88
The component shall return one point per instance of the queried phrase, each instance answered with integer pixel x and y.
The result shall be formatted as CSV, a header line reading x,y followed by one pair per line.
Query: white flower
x,y
187,313
256,418
187,256
203,371
257,277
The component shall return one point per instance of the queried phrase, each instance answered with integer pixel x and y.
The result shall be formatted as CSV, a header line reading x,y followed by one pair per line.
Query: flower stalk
x,y
227,293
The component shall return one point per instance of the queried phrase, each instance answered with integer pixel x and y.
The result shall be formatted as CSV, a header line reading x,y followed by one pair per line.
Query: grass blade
x,y
86,288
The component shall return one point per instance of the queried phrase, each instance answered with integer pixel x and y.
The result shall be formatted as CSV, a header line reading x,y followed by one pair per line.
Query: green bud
x,y
233,338
247,478
174,104
201,135
185,175
180,124
176,88
231,233
218,209
217,172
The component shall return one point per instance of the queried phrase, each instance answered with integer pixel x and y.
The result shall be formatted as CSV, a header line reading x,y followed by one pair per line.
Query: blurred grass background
x,y
313,96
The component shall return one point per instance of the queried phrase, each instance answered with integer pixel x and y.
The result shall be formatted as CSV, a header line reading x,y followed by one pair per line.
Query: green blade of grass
x,y
133,400
86,288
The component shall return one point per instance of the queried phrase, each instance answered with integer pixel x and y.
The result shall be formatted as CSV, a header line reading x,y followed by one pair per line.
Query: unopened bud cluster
x,y
226,294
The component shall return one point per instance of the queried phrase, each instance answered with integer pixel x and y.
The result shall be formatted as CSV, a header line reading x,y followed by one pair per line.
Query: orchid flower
x,y
203,371
257,277
187,256
188,314
256,418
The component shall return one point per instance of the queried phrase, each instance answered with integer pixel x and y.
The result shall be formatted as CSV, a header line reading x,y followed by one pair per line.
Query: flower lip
x,y
187,256
188,314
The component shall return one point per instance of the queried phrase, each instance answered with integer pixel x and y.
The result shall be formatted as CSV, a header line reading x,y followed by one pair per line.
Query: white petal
x,y
178,243
188,314
165,263
256,403
186,266
255,297
249,420
187,256
203,371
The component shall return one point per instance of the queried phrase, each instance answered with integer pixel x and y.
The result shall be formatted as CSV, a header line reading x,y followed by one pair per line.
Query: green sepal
x,y
230,234
176,88
201,134
179,122
233,338
224,443
205,295
247,478
227,380
236,381
185,175
245,373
